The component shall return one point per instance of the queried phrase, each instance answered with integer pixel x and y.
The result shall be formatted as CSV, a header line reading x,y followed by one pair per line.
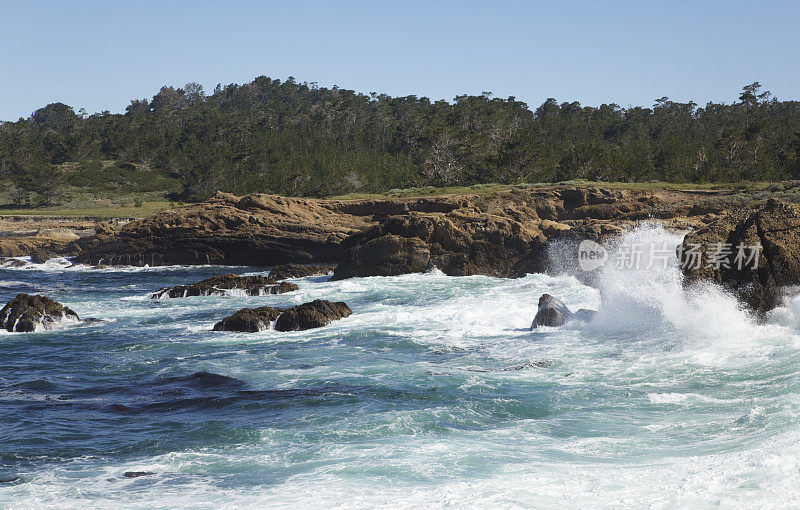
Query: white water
x,y
671,397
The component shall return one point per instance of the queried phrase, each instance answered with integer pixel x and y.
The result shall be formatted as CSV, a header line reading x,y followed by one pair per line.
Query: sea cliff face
x,y
500,234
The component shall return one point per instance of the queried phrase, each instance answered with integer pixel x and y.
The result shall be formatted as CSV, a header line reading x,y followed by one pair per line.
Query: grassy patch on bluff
x,y
106,210
139,205
485,189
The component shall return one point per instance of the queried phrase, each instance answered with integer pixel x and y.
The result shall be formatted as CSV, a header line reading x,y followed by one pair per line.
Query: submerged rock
x,y
314,314
285,271
221,285
553,312
711,254
136,474
27,313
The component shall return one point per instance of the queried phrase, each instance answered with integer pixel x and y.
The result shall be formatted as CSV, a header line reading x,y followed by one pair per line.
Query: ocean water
x,y
433,393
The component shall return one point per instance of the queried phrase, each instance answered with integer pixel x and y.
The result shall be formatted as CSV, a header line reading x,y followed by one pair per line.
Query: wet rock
x,y
14,263
136,474
314,314
282,272
224,284
42,256
27,313
553,312
387,255
249,320
760,282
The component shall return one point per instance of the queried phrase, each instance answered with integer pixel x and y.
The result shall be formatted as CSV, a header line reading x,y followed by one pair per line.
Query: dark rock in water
x,y
42,256
775,227
26,312
553,312
285,271
533,364
249,320
136,474
35,385
207,379
220,285
314,314
387,255
9,262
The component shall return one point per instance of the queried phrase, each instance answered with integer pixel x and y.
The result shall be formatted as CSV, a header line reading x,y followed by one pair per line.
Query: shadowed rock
x,y
285,271
553,312
42,256
249,320
224,284
314,314
499,234
759,283
27,313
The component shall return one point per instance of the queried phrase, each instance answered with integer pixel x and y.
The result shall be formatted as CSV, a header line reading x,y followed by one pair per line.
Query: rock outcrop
x,y
314,314
21,236
7,262
249,320
40,256
259,230
553,312
225,284
26,313
726,252
284,271
502,233
505,236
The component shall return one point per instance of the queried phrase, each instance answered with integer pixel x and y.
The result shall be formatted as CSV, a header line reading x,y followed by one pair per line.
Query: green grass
x,y
149,207
113,211
483,189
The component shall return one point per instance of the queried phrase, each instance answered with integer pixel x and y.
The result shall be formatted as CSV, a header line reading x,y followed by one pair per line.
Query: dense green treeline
x,y
300,139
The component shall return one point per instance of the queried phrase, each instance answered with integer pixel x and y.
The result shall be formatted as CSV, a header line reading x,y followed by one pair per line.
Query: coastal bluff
x,y
503,233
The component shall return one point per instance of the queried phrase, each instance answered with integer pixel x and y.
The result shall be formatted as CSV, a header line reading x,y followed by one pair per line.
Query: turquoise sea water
x,y
433,393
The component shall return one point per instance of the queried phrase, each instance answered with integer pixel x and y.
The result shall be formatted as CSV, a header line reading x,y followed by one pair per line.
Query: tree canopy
x,y
300,139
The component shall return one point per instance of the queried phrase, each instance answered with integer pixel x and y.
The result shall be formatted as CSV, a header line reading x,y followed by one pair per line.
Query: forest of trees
x,y
300,139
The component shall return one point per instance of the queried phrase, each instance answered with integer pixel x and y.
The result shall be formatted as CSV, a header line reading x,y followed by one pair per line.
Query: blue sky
x,y
99,55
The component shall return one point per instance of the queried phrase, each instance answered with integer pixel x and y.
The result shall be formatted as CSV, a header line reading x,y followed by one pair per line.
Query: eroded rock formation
x,y
723,252
225,284
26,313
314,314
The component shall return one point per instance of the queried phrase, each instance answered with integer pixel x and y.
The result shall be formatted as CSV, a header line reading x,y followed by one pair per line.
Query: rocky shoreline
x,y
501,234
506,233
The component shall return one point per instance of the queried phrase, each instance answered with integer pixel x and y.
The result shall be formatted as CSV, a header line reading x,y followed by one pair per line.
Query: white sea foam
x,y
671,397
